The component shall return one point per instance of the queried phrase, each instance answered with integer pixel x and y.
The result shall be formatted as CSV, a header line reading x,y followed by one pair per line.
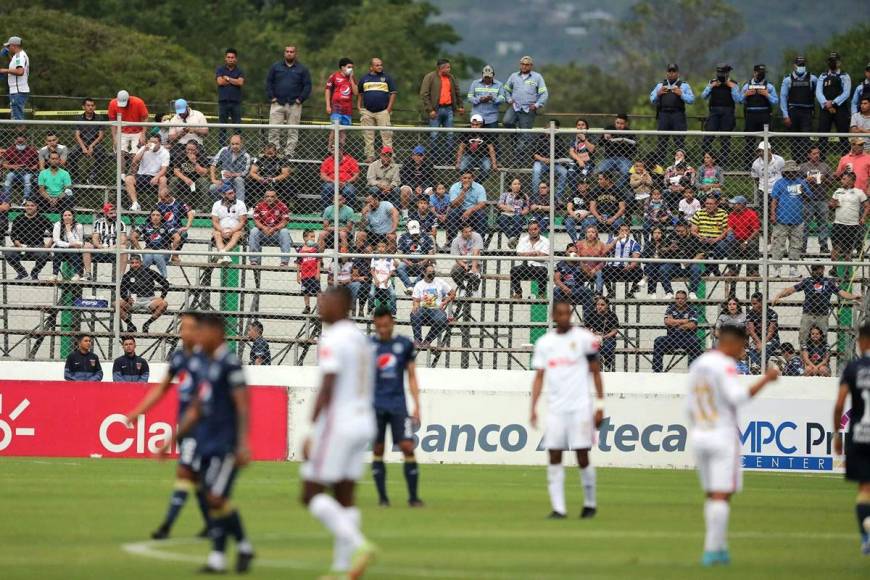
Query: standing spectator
x,y
531,245
108,232
860,122
731,314
681,321
17,76
150,166
797,101
383,177
591,246
228,218
710,228
687,248
541,163
670,98
308,272
88,136
655,213
260,355
626,268
861,91
513,206
477,151
156,236
288,85
757,333
231,165
689,205
525,93
856,161
759,99
568,281
723,95
345,273
832,91
539,206
82,364
710,176
339,95
771,167
816,355
20,163
130,109
189,174
787,216
486,95
345,224
178,217
230,79
603,323
138,285
416,175
744,225
416,243
195,133
431,297
55,186
380,219
52,145
29,230
620,149
607,208
271,216
382,292
466,272
347,170
467,204
580,152
4,217
361,275
130,367
68,233
269,171
577,208
818,175
440,98
851,211
655,273
375,99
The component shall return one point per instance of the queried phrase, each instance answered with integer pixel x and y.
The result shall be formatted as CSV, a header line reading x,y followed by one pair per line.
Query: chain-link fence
x,y
466,235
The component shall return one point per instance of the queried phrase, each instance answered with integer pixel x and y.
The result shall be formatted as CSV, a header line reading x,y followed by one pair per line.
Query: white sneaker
x,y
224,260
693,296
669,296
135,206
793,272
75,278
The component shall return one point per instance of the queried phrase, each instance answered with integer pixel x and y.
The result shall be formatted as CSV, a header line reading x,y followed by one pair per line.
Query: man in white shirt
x,y
17,75
184,135
431,298
773,168
466,272
565,357
344,427
228,218
150,166
713,400
383,270
531,245
851,211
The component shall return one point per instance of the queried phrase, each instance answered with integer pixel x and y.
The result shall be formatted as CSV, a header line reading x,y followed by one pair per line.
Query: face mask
x,y
572,254
21,147
348,71
311,243
801,70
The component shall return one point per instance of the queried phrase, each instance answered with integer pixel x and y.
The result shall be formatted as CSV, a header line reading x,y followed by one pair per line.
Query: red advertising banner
x,y
84,419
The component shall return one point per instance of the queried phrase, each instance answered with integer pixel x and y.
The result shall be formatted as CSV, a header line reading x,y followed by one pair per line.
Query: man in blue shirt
x,y
861,90
467,204
394,356
486,95
375,99
525,92
670,98
417,242
797,101
759,99
787,215
288,85
724,96
230,79
681,320
832,92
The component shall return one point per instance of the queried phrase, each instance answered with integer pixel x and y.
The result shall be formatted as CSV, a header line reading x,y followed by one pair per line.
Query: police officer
x,y
129,367
82,364
797,103
759,99
723,95
670,98
832,91
860,90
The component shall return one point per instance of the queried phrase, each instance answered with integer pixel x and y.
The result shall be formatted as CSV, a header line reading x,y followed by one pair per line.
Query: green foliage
x,y
585,88
852,46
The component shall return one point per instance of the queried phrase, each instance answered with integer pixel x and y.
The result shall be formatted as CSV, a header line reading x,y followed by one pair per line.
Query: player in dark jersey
x,y
394,357
855,383
183,366
219,418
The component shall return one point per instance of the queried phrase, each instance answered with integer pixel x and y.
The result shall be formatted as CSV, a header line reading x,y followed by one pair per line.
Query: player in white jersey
x,y
344,426
714,397
564,358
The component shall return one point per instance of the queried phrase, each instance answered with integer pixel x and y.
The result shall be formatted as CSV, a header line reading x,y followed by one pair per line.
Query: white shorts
x,y
338,448
142,304
130,142
717,454
568,431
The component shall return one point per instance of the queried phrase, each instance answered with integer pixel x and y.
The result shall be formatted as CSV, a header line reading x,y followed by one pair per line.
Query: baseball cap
x,y
790,166
759,68
386,149
723,67
800,60
737,199
419,150
227,186
123,98
107,207
763,145
834,54
673,66
478,118
488,71
180,106
413,227
16,40
527,60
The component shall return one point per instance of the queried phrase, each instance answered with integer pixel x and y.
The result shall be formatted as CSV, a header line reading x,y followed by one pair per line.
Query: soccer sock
x,y
862,511
218,532
588,479
176,502
235,528
343,551
556,487
716,513
379,472
203,505
412,477
332,515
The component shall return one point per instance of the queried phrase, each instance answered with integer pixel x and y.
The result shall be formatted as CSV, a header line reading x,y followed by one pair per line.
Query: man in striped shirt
x,y
108,232
710,228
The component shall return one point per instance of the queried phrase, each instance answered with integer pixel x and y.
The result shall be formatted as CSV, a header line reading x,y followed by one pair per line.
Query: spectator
x,y
68,233
710,228
541,163
513,206
150,166
467,204
568,280
260,353
288,85
655,273
619,150
82,364
424,215
525,93
744,225
797,103
348,173
137,294
439,201
603,323
439,95
130,109
860,122
431,297
626,268
361,274
52,145
787,216
197,122
723,96
670,98
681,172
383,177
231,165
108,232
539,206
383,271
816,355
641,182
380,219
856,161
730,314
29,230
419,244
178,217
477,151
710,176
86,151
681,321
308,272
832,92
157,236
771,169
861,91
655,213
466,272
4,217
759,99
340,93
271,217
607,207
228,217
55,186
851,211
17,76
130,367
416,175
756,332
531,245
375,100
161,129
592,247
230,79
486,94
20,163
819,176
345,274
817,299
345,224
189,174
270,171
793,365
577,208
688,248
580,153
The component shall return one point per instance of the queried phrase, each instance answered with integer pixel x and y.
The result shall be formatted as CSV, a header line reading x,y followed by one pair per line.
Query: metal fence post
x,y
765,274
119,164
551,233
336,133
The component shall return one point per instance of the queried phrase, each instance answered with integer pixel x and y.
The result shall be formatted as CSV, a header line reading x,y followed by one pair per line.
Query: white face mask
x,y
348,71
801,70
21,147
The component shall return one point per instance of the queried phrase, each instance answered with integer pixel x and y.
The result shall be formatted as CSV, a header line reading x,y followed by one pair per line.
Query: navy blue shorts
x,y
218,472
310,286
857,462
187,456
400,425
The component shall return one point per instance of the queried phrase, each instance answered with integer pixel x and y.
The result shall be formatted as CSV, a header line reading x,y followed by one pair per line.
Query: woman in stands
x,y
592,246
68,233
603,323
816,354
513,205
731,315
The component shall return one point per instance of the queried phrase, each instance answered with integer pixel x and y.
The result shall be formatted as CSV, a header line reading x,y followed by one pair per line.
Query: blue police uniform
x,y
834,86
392,359
860,91
723,101
757,108
671,112
798,104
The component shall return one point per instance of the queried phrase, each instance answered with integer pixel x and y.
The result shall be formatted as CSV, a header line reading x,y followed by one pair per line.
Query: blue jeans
x,y
671,271
621,164
228,112
74,260
602,226
327,194
443,118
159,260
561,176
511,225
715,252
607,352
281,238
404,272
16,103
434,317
520,120
481,161
24,177
816,210
656,274
355,288
580,295
454,222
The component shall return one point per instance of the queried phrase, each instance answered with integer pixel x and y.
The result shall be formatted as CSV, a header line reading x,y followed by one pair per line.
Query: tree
x,y
586,89
853,49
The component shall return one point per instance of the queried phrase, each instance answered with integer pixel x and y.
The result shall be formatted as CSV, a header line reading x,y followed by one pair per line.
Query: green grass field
x,y
67,519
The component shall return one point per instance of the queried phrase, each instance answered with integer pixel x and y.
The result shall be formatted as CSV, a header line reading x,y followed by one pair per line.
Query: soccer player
x,y
394,355
564,358
714,397
855,383
344,426
183,366
219,417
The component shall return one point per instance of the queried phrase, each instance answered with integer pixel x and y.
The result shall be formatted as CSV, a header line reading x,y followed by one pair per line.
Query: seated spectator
x,y
641,183
689,204
361,275
82,364
531,245
231,165
380,220
467,204
580,152
108,232
466,272
710,176
568,278
383,177
770,171
29,230
439,201
757,333
619,149
424,215
710,228
190,176
577,209
87,150
345,224
539,206
148,171
52,145
419,244
816,355
155,235
687,248
476,151
178,137
260,354
55,186
69,233
384,268
624,269
416,176
431,297
348,173
177,217
228,218
656,213
730,314
308,271
793,365
787,217
513,206
658,246
607,207
271,217
269,171
680,169
137,294
681,321
856,161
541,163
603,323
20,162
130,367
744,225
851,211
592,247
